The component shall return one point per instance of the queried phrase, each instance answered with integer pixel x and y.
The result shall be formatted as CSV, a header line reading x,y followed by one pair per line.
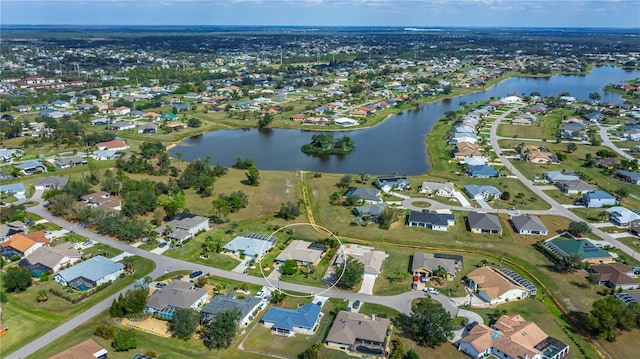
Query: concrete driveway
x,y
368,281
462,199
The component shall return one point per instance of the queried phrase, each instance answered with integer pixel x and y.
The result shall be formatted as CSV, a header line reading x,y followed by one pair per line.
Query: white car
x,y
260,294
430,290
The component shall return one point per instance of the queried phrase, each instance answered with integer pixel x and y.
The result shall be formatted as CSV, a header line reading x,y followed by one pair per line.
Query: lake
x,y
395,145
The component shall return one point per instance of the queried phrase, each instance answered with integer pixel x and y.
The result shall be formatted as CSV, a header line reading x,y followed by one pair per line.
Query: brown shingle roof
x,y
350,326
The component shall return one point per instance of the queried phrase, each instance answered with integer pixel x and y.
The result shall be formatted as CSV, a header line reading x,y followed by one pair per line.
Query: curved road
x,y
607,142
400,302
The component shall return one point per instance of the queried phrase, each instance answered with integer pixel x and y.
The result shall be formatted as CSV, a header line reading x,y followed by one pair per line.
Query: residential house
x,y
593,116
597,199
484,223
90,273
68,162
607,162
102,200
229,302
527,224
535,154
122,125
573,129
525,119
360,334
439,188
466,149
9,229
435,221
494,286
104,155
148,128
511,337
15,189
574,186
20,244
623,217
486,193
31,167
114,145
45,259
391,183
616,276
176,125
474,161
370,258
423,265
628,176
365,194
370,212
87,349
556,176
184,226
303,252
178,294
482,171
581,247
288,322
55,182
253,246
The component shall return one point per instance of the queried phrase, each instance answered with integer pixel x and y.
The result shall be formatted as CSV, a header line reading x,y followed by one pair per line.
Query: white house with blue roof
x,y
598,199
288,322
90,273
253,246
15,189
31,166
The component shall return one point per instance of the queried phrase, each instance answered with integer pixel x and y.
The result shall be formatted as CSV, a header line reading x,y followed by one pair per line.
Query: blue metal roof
x,y
287,319
92,269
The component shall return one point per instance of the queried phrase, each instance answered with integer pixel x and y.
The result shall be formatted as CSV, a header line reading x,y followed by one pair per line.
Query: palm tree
x,y
440,273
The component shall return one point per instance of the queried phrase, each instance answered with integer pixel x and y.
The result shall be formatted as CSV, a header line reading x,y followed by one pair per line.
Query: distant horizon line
x,y
413,27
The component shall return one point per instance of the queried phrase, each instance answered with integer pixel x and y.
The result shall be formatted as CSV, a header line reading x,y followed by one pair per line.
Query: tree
x,y
578,228
105,332
42,296
411,354
609,315
290,267
571,147
172,204
505,196
345,181
253,176
289,211
353,272
184,323
131,303
593,279
594,96
265,120
278,296
430,323
569,263
222,329
16,279
125,340
388,216
313,352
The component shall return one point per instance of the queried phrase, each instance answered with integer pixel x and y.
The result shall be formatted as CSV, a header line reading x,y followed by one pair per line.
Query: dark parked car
x,y
356,304
163,244
161,285
195,274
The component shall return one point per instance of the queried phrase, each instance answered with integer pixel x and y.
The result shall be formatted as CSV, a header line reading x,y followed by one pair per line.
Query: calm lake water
x,y
396,145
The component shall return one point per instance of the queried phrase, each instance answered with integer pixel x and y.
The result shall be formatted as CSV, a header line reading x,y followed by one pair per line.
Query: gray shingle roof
x,y
225,302
528,223
177,294
484,221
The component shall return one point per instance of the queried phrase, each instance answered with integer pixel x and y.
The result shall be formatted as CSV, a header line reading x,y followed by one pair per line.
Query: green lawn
x,y
191,252
29,320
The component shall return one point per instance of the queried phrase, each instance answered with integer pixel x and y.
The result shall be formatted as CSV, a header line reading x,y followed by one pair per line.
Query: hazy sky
x,y
514,13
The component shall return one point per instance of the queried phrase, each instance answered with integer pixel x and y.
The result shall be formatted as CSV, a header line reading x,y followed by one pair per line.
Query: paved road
x,y
556,208
607,142
400,302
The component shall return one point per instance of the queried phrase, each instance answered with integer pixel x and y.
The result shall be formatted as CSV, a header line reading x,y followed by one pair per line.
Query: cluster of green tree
x,y
97,137
113,224
243,163
397,351
219,333
16,279
135,164
430,323
200,175
13,213
328,145
226,204
288,211
129,305
350,273
610,315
